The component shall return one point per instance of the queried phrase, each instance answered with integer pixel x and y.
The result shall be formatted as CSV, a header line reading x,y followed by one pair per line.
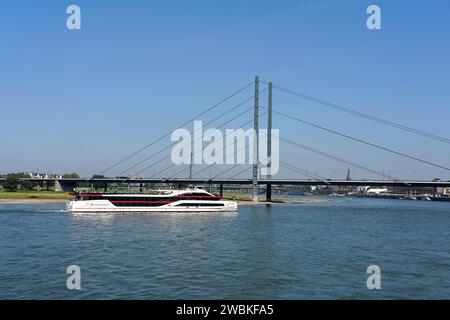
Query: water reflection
x,y
290,251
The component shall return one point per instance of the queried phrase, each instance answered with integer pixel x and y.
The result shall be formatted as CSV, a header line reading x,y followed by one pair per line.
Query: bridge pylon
x,y
256,141
269,143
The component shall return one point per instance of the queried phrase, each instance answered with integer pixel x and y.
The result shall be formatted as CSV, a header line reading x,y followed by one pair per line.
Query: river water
x,y
287,251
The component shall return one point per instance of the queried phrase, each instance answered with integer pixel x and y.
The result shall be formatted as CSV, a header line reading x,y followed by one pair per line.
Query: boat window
x,y
186,204
196,194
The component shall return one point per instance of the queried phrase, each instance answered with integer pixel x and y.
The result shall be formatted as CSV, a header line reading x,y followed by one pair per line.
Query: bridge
x,y
151,157
70,184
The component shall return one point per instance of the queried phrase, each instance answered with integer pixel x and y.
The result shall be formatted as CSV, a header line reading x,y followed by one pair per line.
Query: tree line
x,y
13,183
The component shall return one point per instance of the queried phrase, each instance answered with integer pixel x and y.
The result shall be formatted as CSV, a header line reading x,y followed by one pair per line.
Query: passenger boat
x,y
189,200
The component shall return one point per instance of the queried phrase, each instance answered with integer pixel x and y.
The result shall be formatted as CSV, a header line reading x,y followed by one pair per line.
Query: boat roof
x,y
150,193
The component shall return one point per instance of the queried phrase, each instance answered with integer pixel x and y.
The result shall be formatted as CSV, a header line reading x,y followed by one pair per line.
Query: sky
x,y
81,100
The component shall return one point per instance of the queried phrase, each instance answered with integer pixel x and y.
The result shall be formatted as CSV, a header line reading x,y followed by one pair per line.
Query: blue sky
x,y
80,100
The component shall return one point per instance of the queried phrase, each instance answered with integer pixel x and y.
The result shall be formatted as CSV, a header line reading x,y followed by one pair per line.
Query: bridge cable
x,y
185,123
170,145
282,164
286,165
293,168
168,156
224,148
301,171
299,145
361,141
238,173
363,115
289,167
172,165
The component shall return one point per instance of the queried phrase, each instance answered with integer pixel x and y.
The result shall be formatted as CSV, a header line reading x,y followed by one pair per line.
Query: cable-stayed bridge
x,y
152,163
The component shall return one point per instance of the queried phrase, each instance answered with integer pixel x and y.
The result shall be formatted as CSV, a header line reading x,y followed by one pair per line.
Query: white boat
x,y
189,200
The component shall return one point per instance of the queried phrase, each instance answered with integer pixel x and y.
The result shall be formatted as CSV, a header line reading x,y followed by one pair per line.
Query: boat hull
x,y
99,206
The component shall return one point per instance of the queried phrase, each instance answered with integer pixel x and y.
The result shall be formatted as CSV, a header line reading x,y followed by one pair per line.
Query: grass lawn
x,y
239,197
33,195
246,197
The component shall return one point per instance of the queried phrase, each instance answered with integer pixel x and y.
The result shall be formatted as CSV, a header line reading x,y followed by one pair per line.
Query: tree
x,y
71,176
11,182
26,185
99,185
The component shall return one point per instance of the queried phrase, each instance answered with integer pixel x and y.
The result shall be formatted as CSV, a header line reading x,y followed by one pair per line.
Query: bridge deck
x,y
309,182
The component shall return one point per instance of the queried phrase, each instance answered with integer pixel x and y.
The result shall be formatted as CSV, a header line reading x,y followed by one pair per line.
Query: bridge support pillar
x,y
269,144
58,186
255,142
221,190
269,192
64,186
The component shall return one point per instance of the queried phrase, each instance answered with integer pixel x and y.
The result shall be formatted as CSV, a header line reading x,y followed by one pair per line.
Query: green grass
x,y
246,197
18,195
239,197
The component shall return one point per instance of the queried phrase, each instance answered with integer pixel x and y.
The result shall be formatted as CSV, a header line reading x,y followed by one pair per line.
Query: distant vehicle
x,y
376,190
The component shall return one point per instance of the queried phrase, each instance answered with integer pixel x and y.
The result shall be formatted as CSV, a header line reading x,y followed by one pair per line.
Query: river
x,y
287,251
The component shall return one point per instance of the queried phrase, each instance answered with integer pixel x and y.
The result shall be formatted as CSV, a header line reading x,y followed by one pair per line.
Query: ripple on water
x,y
289,251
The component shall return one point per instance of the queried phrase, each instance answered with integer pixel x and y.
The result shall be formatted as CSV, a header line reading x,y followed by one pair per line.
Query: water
x,y
288,251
